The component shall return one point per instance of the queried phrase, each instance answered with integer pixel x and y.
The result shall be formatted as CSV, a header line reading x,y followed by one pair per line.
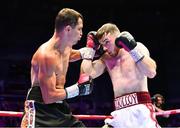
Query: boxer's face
x,y
107,42
76,33
160,101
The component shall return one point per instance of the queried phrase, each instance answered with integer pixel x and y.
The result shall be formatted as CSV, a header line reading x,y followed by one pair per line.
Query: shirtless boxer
x,y
129,65
45,105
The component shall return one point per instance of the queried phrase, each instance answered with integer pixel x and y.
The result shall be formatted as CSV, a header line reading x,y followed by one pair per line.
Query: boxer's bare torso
x,y
125,75
58,61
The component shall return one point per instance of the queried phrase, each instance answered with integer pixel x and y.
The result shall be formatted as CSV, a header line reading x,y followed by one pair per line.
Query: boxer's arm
x,y
75,55
87,52
138,52
53,89
47,80
93,68
147,65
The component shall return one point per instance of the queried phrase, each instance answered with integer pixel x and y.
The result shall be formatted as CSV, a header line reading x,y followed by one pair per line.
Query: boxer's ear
x,y
67,28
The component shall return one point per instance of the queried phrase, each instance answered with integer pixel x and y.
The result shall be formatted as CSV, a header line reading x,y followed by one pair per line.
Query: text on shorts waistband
x,y
131,99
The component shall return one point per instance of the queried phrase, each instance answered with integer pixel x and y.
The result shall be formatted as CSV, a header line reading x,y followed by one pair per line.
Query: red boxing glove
x,y
83,78
91,45
92,41
84,86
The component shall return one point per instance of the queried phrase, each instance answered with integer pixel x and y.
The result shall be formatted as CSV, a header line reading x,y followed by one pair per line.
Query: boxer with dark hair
x,y
158,101
45,105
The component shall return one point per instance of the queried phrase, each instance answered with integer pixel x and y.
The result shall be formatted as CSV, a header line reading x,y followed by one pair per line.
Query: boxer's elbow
x,y
47,99
151,73
150,70
53,97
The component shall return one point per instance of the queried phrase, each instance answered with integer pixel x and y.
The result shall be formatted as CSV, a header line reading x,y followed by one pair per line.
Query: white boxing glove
x,y
87,53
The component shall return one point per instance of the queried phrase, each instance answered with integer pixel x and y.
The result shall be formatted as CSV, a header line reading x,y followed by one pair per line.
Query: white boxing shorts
x,y
133,110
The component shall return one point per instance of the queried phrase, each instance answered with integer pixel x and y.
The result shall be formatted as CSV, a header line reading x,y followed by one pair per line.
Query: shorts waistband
x,y
131,99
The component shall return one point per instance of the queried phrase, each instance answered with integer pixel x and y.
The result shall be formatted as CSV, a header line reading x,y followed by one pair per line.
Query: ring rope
x,y
87,117
168,112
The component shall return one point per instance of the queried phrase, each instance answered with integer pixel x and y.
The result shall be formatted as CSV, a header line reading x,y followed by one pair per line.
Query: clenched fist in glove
x,y
127,41
92,41
92,46
84,86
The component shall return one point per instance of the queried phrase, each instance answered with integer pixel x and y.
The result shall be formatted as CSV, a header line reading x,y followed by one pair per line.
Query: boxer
x,y
129,66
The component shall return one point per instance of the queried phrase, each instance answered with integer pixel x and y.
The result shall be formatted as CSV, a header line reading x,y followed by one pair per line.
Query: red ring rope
x,y
88,117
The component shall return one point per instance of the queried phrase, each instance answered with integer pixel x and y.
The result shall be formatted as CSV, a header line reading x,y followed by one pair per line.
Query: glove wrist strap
x,y
87,53
72,91
136,55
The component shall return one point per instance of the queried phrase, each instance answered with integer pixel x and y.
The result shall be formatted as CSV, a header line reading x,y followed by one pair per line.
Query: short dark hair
x,y
155,97
65,17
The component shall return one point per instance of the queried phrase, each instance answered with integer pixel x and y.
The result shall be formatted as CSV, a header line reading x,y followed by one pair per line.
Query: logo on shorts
x,y
126,101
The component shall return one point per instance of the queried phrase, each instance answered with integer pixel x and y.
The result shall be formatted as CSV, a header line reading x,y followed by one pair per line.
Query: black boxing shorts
x,y
131,99
38,114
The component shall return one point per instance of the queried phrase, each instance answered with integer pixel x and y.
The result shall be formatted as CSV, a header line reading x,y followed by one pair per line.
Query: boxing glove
x,y
127,41
93,42
84,86
93,47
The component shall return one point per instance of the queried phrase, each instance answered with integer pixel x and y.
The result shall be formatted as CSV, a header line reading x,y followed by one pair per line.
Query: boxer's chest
x,y
123,63
62,63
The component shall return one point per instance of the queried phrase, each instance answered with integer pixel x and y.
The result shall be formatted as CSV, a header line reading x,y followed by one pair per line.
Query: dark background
x,y
25,25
